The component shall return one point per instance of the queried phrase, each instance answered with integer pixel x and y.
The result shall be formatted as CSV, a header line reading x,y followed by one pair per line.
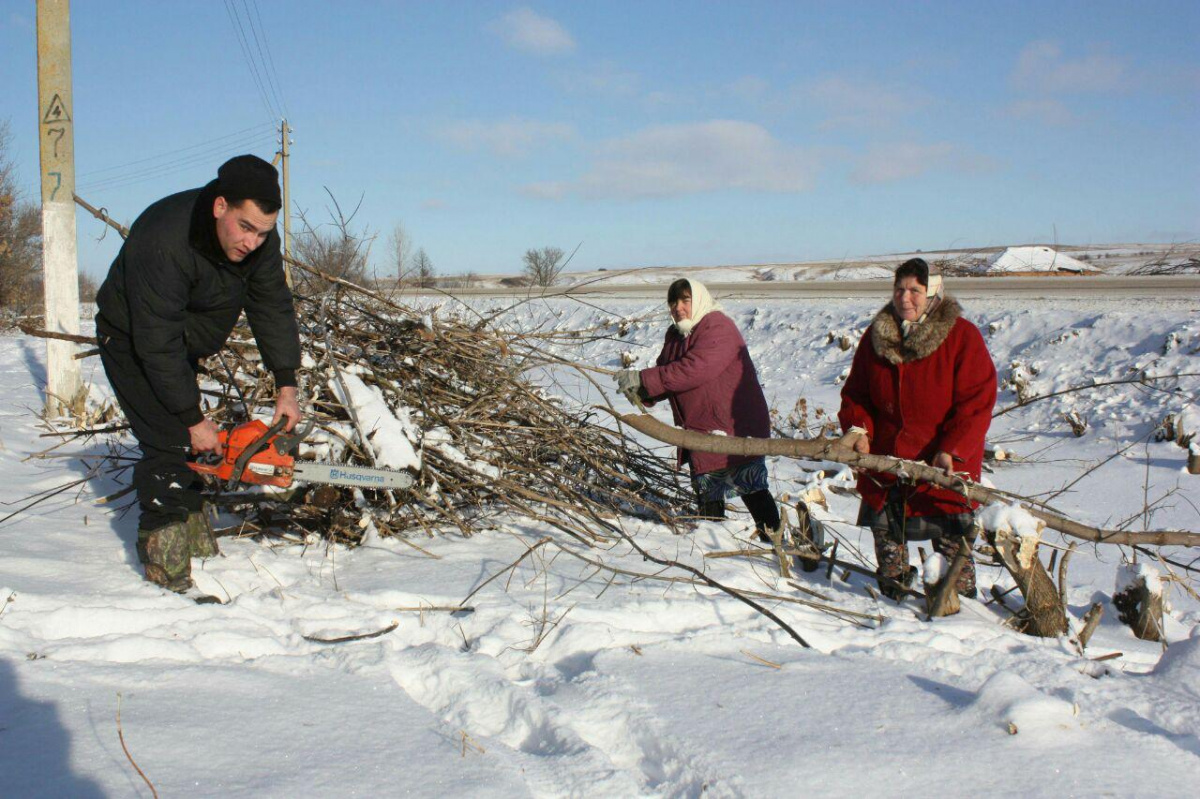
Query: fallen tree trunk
x,y
829,449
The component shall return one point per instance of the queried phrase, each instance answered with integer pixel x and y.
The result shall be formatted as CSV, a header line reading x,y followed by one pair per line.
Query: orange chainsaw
x,y
261,455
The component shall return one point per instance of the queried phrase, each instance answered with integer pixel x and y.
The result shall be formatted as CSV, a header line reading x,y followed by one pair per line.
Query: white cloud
x,y
694,158
433,204
511,138
1042,68
886,163
855,103
528,31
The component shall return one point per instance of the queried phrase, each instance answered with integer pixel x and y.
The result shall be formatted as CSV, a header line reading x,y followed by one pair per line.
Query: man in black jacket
x,y
192,263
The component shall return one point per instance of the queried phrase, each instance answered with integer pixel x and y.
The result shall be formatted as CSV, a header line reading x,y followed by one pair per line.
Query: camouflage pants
x,y
945,533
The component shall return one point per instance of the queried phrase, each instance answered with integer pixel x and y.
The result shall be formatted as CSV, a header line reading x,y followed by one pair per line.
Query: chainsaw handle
x,y
287,443
207,463
250,451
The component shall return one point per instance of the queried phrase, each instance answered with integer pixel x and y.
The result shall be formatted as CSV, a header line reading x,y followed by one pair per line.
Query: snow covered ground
x,y
567,680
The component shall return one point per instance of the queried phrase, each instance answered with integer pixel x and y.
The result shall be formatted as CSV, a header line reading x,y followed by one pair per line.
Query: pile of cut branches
x,y
453,401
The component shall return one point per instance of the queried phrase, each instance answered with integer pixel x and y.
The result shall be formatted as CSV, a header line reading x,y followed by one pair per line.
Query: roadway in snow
x,y
1179,287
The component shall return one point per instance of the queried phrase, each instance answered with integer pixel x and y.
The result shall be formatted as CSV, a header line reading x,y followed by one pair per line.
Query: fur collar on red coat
x,y
922,342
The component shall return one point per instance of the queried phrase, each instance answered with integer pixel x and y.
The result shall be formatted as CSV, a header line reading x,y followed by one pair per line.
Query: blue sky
x,y
652,132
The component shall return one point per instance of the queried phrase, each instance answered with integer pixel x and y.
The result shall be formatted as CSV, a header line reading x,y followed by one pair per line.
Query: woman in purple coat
x,y
705,372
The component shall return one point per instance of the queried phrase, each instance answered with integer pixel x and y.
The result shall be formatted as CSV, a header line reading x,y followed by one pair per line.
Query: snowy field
x,y
570,680
1111,259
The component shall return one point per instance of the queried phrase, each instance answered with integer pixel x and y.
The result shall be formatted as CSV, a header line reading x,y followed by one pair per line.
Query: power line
x,y
245,45
179,165
259,42
265,140
262,126
271,60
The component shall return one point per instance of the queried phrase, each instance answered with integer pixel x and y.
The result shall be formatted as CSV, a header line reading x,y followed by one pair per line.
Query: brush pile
x,y
452,400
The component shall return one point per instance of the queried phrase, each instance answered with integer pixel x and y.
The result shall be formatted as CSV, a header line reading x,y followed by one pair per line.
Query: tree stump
x,y
1139,602
806,537
941,596
1045,616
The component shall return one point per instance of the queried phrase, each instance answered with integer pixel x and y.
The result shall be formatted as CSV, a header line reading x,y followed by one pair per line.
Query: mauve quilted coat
x,y
712,386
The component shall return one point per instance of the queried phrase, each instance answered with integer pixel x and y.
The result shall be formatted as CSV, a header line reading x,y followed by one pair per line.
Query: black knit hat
x,y
248,177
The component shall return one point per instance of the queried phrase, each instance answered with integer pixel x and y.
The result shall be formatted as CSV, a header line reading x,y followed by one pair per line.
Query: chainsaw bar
x,y
352,476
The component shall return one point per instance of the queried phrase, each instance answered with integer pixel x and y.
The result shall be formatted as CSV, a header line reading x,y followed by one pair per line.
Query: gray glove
x,y
629,381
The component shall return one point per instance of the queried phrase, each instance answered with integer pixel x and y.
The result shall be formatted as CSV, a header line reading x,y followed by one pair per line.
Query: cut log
x,y
777,543
1091,620
806,537
1045,616
1139,603
942,597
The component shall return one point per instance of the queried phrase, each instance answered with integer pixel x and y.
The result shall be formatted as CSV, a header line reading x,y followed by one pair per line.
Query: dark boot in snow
x,y
202,541
165,553
894,588
765,513
712,509
892,557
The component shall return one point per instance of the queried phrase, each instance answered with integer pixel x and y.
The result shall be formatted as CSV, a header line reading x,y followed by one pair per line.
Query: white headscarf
x,y
702,305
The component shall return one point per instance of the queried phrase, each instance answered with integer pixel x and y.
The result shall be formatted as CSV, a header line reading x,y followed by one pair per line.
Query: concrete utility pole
x,y
284,130
64,389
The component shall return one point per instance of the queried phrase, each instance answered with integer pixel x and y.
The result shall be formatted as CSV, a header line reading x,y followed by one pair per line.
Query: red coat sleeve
x,y
857,409
965,428
712,349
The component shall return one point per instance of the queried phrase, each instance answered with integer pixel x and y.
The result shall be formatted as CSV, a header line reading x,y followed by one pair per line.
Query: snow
x,y
999,516
391,433
561,681
1130,575
1019,708
933,568
1034,259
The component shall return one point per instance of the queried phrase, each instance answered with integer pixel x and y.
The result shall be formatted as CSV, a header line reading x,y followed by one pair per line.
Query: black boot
x,y
713,509
764,511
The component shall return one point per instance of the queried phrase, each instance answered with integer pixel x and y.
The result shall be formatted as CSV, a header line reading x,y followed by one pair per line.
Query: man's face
x,y
242,228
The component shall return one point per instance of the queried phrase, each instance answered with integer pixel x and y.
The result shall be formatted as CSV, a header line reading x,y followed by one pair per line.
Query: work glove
x,y
629,381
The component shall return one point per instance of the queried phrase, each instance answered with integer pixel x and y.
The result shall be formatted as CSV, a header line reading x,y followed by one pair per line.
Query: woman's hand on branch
x,y
856,440
943,461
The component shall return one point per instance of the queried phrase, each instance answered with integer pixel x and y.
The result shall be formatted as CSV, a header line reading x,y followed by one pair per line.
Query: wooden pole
x,y
64,389
284,130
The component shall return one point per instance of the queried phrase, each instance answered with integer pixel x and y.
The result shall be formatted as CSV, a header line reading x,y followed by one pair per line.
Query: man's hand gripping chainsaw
x,y
261,455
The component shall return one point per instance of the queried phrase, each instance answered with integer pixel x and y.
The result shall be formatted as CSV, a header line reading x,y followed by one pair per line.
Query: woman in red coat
x,y
921,387
705,372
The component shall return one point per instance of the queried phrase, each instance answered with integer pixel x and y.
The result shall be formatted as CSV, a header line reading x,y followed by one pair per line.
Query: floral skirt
x,y
740,480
